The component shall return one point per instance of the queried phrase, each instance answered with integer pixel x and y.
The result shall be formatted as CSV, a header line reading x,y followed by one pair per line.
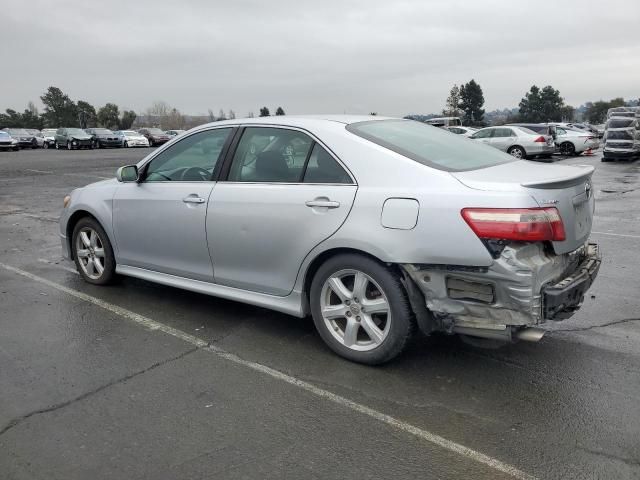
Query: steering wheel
x,y
195,173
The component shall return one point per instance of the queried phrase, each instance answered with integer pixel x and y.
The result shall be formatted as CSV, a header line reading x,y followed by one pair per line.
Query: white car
x,y
132,139
574,142
48,137
519,142
464,131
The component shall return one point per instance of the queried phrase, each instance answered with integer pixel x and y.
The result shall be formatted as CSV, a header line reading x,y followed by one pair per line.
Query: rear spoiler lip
x,y
585,172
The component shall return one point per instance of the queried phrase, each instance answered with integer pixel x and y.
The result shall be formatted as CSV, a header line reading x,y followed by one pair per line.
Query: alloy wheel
x,y
355,310
90,253
517,152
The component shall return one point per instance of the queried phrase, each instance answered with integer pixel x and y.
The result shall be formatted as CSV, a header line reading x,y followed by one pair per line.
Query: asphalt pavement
x,y
138,380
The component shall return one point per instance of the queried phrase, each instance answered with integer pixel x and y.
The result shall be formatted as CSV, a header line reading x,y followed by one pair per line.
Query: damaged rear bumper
x,y
525,286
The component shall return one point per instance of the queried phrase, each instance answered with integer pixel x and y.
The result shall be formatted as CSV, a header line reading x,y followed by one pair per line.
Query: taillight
x,y
519,224
540,139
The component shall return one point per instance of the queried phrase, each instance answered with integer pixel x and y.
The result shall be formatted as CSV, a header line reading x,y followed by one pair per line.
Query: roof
x,y
299,120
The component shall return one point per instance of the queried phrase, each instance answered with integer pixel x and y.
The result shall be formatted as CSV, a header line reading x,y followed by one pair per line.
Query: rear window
x,y
429,145
620,122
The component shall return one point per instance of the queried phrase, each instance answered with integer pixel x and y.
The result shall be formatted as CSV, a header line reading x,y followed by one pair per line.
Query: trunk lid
x,y
568,188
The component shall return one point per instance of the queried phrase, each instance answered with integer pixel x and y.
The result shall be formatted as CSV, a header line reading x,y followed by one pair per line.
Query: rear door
x,y
159,223
502,138
284,193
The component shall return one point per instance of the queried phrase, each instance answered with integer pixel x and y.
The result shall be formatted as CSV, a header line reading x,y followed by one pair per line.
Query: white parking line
x,y
616,234
345,402
38,171
63,267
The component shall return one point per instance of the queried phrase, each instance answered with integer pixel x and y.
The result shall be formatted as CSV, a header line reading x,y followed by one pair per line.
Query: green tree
x,y
87,114
109,116
59,109
279,111
544,105
31,119
264,112
596,112
127,119
10,119
452,104
471,102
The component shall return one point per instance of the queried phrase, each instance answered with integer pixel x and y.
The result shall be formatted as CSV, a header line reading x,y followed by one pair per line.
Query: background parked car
x,y
574,142
22,137
541,128
621,138
103,138
174,133
464,131
71,138
155,136
7,142
519,142
129,138
38,139
49,137
444,122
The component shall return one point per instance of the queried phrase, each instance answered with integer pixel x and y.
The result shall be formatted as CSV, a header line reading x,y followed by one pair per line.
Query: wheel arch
x,y
517,145
73,221
325,255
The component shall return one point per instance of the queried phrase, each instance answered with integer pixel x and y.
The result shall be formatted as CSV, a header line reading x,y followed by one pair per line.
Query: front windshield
x,y
18,131
155,130
102,131
429,145
76,131
130,133
3,134
49,131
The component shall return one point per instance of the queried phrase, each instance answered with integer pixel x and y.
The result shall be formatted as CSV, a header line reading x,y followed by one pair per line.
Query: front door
x,y
159,223
283,196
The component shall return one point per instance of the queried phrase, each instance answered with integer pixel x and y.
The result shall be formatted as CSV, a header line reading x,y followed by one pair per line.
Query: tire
x,y
126,144
93,252
150,142
69,146
45,145
518,152
568,149
391,327
16,149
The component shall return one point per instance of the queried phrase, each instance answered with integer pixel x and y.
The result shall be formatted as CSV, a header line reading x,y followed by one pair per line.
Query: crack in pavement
x,y
629,461
17,421
608,324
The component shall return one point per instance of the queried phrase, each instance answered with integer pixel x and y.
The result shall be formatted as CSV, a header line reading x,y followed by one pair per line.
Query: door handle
x,y
193,199
322,203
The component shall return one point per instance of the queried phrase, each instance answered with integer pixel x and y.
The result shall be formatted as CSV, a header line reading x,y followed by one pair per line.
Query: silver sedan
x,y
519,142
372,226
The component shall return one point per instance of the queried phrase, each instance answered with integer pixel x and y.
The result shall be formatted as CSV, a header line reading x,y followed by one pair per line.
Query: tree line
x,y
538,105
61,111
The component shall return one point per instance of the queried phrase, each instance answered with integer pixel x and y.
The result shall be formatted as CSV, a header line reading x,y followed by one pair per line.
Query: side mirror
x,y
128,173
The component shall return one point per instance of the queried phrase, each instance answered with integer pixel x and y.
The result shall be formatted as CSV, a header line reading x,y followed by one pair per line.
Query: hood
x,y
80,136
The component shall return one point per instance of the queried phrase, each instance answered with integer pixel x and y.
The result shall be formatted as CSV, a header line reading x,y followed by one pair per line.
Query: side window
x,y
483,133
560,131
191,160
501,132
322,168
270,155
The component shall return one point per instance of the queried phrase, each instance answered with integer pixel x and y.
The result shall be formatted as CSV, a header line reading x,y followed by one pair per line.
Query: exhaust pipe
x,y
530,334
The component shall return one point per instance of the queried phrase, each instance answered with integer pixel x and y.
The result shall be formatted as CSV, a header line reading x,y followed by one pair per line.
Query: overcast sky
x,y
327,56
